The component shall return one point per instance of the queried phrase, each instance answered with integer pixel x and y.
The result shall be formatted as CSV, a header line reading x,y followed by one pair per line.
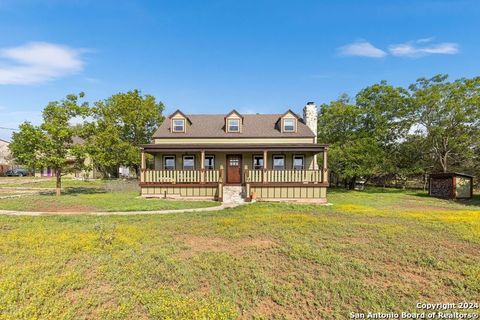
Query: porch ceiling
x,y
233,147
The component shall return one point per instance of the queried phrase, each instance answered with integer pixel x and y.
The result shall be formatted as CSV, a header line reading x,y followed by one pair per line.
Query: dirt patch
x,y
266,308
196,245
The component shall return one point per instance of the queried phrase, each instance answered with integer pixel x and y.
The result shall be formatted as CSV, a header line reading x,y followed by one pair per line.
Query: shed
x,y
451,185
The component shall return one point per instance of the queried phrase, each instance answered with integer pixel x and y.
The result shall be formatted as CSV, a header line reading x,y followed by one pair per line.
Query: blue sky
x,y
213,56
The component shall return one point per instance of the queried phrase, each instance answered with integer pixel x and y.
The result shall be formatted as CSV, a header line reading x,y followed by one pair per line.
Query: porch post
x,y
143,160
265,161
325,169
142,166
202,166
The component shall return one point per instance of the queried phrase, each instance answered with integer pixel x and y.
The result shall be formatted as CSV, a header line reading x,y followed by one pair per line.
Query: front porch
x,y
265,173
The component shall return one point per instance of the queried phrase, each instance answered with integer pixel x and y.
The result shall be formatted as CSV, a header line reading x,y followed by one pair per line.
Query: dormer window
x,y
288,125
178,125
233,125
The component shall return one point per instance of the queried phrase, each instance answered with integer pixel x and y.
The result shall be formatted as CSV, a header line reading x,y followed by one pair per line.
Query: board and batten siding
x,y
208,192
287,192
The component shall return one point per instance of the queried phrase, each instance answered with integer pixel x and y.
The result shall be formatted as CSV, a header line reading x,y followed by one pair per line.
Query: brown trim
x,y
182,185
305,147
288,184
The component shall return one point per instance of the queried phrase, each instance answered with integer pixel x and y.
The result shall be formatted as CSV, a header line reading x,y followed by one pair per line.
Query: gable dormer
x,y
233,122
179,122
288,122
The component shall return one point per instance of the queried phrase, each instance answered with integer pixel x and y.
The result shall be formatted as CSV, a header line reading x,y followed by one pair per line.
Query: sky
x,y
214,56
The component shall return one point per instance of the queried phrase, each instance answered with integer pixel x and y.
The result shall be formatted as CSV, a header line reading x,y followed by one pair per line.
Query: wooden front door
x,y
234,169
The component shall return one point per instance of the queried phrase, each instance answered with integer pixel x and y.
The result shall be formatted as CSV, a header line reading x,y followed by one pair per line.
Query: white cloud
x,y
361,49
37,62
414,50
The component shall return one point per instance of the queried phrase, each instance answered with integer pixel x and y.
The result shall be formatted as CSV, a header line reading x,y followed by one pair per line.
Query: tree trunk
x,y
352,183
58,189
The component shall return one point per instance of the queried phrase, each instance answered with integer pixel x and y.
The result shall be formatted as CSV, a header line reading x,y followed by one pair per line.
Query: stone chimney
x,y
310,114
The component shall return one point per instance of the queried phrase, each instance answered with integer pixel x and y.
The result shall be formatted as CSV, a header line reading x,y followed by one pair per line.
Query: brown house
x,y
235,157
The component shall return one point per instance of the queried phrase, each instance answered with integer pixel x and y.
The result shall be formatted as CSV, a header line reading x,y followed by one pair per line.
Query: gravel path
x,y
112,213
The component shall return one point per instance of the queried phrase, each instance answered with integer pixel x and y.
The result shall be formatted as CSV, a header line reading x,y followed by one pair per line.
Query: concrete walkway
x,y
118,213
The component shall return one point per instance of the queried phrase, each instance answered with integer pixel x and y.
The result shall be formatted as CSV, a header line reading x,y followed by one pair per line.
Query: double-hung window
x,y
169,163
178,125
289,125
279,162
188,162
257,162
233,125
298,162
209,162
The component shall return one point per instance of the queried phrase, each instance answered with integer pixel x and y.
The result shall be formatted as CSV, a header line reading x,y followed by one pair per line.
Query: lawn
x,y
85,196
369,251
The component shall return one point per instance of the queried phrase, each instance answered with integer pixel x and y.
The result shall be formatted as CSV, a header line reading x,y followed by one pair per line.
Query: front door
x,y
234,169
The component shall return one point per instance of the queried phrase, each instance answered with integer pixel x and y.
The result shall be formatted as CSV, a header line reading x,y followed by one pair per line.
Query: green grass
x,y
90,200
370,251
36,182
86,196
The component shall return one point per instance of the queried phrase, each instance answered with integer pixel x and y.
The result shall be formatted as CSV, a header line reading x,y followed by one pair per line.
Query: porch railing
x,y
284,176
180,176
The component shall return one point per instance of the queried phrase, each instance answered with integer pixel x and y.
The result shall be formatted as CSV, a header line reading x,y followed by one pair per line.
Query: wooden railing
x,y
180,176
283,176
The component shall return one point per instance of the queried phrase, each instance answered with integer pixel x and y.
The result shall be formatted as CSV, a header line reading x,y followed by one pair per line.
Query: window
x,y
288,125
233,125
298,162
209,162
234,162
278,162
257,162
169,163
188,162
178,125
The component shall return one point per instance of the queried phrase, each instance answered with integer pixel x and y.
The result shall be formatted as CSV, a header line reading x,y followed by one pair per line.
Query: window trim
x,y
303,161
174,162
253,161
273,161
294,125
173,125
183,161
228,125
213,165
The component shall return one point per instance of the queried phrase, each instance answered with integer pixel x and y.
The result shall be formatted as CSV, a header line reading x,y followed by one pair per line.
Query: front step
x,y
233,194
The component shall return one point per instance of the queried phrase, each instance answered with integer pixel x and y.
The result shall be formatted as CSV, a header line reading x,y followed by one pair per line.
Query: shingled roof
x,y
213,126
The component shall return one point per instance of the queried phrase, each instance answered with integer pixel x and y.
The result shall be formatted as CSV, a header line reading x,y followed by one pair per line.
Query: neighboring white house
x,y
4,152
5,156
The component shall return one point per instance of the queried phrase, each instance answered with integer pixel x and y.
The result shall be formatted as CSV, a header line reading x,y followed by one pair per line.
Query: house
x,y
92,173
234,156
5,157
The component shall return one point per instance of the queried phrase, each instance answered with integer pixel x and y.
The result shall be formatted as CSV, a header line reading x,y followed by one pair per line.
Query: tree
x,y
448,115
26,145
51,143
352,152
122,123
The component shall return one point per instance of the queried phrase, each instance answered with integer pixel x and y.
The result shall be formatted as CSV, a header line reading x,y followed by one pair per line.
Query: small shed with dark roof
x,y
451,185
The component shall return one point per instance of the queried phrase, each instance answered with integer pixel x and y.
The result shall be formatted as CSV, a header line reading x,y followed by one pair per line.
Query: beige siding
x,y
283,140
174,191
293,192
247,159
